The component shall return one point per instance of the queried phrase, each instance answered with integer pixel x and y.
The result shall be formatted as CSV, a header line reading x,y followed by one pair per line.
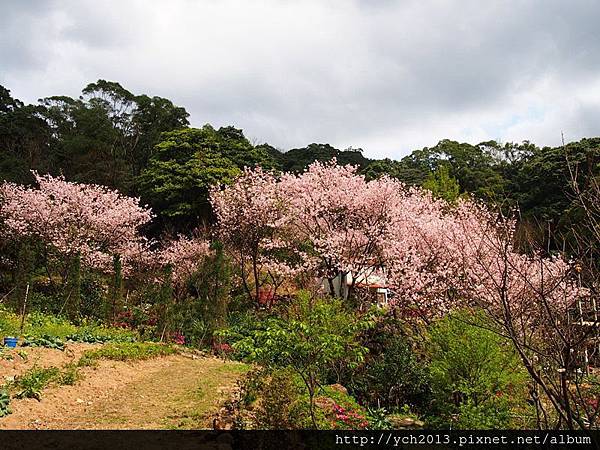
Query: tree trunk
x,y
116,295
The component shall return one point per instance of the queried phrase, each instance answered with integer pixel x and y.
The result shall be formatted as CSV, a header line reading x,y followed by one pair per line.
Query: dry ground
x,y
178,391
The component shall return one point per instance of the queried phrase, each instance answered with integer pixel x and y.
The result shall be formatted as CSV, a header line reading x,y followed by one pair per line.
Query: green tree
x,y
106,135
297,159
212,284
152,117
476,377
116,289
309,335
187,163
381,167
72,291
24,139
442,185
23,272
477,168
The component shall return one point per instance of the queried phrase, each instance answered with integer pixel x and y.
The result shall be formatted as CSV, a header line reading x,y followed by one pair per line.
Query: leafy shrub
x,y
43,300
69,376
242,326
348,419
32,382
210,287
378,419
44,341
308,335
476,376
280,399
4,403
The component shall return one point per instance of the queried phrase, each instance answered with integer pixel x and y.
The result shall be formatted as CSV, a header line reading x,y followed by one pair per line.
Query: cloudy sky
x,y
387,76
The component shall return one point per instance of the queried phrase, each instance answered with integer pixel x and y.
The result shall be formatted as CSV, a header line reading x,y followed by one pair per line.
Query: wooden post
x,y
24,310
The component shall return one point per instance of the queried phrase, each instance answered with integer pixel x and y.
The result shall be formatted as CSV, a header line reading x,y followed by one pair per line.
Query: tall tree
x,y
24,139
187,163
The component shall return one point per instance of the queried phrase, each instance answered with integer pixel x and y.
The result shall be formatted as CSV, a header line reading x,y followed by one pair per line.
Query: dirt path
x,y
169,392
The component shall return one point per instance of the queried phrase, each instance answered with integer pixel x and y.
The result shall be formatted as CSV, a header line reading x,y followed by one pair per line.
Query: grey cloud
x,y
389,76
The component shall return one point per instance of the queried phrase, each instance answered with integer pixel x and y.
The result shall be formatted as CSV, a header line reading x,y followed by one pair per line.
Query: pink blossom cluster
x,y
184,255
76,219
330,220
252,223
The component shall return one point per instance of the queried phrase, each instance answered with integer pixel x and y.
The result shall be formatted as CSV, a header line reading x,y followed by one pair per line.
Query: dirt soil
x,y
16,361
179,391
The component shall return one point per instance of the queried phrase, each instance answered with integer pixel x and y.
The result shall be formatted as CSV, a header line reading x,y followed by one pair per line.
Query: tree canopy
x,y
142,145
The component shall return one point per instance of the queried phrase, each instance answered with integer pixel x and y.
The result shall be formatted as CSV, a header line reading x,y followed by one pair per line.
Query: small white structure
x,y
371,279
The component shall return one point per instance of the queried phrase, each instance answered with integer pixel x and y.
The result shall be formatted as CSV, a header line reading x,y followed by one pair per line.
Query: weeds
x,y
32,382
70,375
23,354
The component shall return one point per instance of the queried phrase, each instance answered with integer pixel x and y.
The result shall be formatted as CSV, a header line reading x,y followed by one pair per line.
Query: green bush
x,y
93,294
242,326
392,375
129,351
308,335
281,402
477,379
70,375
378,419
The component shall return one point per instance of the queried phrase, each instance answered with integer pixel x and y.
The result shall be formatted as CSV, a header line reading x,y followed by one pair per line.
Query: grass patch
x,y
35,380
196,406
70,375
126,351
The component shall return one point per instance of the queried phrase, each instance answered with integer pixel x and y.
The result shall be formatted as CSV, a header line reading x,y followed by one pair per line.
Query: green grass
x,y
126,351
195,406
70,375
4,402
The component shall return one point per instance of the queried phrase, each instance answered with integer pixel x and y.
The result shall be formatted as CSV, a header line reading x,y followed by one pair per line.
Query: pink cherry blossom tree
x,y
536,302
436,256
250,215
343,220
81,224
75,219
183,255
